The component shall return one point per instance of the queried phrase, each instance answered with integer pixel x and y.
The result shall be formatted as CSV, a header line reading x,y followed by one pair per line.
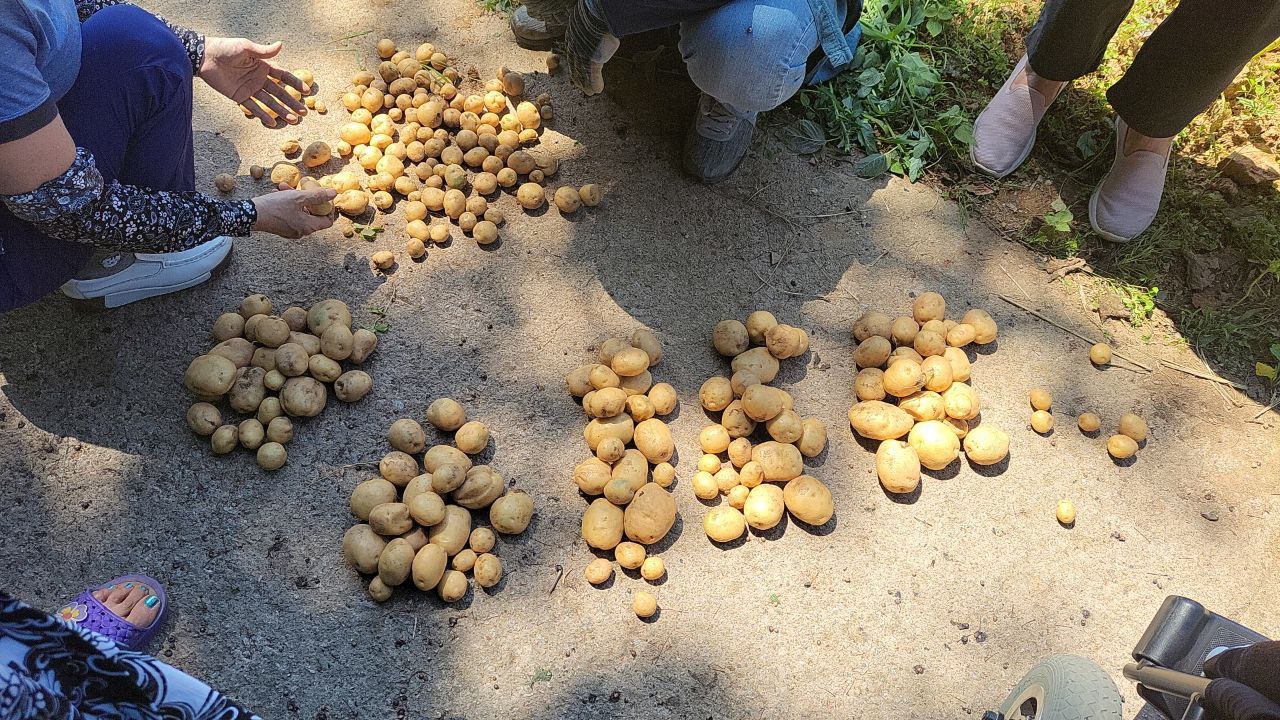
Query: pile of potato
x,y
763,479
274,368
630,470
416,516
912,381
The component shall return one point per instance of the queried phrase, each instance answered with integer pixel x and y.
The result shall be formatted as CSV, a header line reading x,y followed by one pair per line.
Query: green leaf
x,y
871,166
963,133
804,138
774,599
1265,371
540,675
1275,350
1087,144
934,27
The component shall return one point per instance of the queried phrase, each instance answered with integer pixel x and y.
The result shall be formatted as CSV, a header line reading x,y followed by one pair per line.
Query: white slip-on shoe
x,y
114,279
1005,131
1126,201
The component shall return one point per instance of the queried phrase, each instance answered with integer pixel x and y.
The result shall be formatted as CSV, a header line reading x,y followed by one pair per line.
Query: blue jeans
x,y
752,55
131,107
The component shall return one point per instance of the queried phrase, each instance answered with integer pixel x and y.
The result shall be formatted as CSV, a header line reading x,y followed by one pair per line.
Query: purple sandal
x,y
89,613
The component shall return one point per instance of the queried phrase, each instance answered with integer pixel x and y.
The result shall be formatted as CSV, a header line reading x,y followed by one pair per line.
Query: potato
x,y
1041,421
644,604
764,506
986,445
736,422
758,323
238,350
1089,422
446,414
1100,354
407,436
255,304
291,359
663,398
653,438
897,466
872,352
283,173
611,347
868,384
785,341
621,427
705,486
309,343
937,373
925,405
264,358
352,385
879,420
602,524
935,443
250,433
203,418
629,555
714,439
224,439
737,496
730,338
429,564
481,487
664,474
391,518
928,306
984,327
752,474
438,455
378,590
960,335
724,524
808,500
961,402
273,381
567,199
316,154
646,340
653,568
1132,426
786,427
452,532
417,485
453,586
481,540
629,362
762,402
531,196
324,369
779,461
578,380
959,362
591,475
1065,512
758,361
395,562
464,560
487,570
716,394
472,437
398,468
905,352
605,402
325,313
210,375
872,324
337,342
905,377
369,494
709,463
929,343
903,330
650,515
601,376
511,513
936,326
227,326
1041,399
1120,447
598,571
426,508
361,546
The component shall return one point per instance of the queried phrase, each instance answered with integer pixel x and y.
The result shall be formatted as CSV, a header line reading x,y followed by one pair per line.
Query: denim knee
x,y
750,54
126,37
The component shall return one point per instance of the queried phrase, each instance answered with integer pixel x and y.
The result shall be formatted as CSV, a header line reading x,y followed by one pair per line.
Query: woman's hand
x,y
285,213
239,69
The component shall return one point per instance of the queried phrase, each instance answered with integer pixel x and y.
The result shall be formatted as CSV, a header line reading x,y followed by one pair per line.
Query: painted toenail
x,y
128,586
111,586
151,601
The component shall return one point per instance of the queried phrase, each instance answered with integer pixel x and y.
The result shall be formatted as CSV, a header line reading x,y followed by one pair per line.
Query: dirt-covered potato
x,y
903,330
929,343
487,570
337,342
363,343
407,436
210,376
446,414
438,455
429,564
224,439
324,369
1132,426
264,358
785,341
961,401
472,437
395,562
227,326
325,313
590,194
426,508
762,402
255,304
453,531
984,327
303,397
279,428
629,555
650,515
391,518
578,380
1120,447
370,494
928,306
352,385
291,359
736,422
481,487
808,500
905,377
868,384
379,591
203,418
398,468
274,380
361,546
653,438
779,461
730,338
598,571
935,443
764,507
986,445
511,513
602,524
646,340
759,362
872,324
872,352
898,466
716,394
605,403
620,426
250,433
879,420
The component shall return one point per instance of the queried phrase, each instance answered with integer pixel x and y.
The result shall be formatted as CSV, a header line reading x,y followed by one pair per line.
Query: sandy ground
x,y
924,609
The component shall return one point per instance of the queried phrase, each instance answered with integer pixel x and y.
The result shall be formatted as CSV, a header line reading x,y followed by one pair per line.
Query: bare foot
x,y
133,601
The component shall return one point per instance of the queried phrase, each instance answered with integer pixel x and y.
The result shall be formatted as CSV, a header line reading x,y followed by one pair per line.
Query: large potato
x,y
337,342
762,402
620,426
303,397
481,487
291,359
629,362
238,350
984,327
605,402
730,338
325,313
872,324
879,420
764,506
904,377
986,445
210,376
438,455
511,513
779,461
758,361
898,466
428,566
935,443
361,546
591,475
724,524
653,439
370,494
924,406
928,306
395,562
650,515
808,500
961,402
602,524
406,435
937,373
452,532
903,330
786,341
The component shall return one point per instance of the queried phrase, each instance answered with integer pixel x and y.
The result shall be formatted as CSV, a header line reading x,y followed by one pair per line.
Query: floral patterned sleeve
x,y
80,206
191,40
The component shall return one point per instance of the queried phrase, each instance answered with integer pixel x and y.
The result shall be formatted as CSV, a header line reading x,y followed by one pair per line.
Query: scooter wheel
x,y
1063,687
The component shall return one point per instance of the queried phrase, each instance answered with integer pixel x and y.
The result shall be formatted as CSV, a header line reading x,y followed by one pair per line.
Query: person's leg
x,y
1257,666
747,56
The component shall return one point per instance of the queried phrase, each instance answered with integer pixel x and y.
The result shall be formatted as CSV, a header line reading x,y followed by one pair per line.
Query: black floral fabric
x,y
191,40
55,670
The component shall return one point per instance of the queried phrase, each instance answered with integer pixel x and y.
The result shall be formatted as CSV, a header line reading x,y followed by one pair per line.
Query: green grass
x,y
502,7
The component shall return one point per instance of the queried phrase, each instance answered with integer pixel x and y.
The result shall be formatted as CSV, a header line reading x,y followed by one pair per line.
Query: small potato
x,y
398,468
224,183
451,533
903,330
644,604
984,327
324,369
928,306
808,500
472,437
663,398
1041,399
1100,354
378,590
621,427
391,519
352,385
752,474
250,433
650,515
630,362
740,451
279,430
446,414
602,524
709,463
960,367
511,513
482,540
653,568
590,194
929,343
653,438
904,377
742,380
724,524
879,420
868,384
337,342
730,338
907,353
959,427
764,507
203,418
291,359
1065,512
605,403
407,436
567,199
779,461
758,361
224,439
255,304
1041,421
986,445
1089,422
227,326
487,570
370,494
453,586
961,402
429,564
873,324
960,335
426,508
762,402
937,373
1119,447
210,375
716,394
737,496
935,443
361,546
872,352
1132,426
736,421
705,486
363,343
598,571
283,173
395,562
664,474
317,154
898,466
464,560
629,555
714,439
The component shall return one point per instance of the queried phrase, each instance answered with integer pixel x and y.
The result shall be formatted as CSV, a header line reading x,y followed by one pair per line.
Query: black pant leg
x,y
1070,36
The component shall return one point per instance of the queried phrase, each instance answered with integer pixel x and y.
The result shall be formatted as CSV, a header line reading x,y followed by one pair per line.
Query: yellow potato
x,y
879,420
705,486
644,604
511,513
407,436
369,494
925,405
786,427
762,402
395,562
868,384
426,508
903,378
598,571
482,540
1041,421
961,401
1089,422
446,414
730,338
653,438
872,352
736,421
929,343
813,437
757,360
621,427
740,450
591,476
716,394
960,335
451,533
482,486
1065,512
653,568
1100,354
1133,426
663,398
984,327
779,461
724,524
935,443
487,570
1041,399
602,524
764,507
873,324
646,340
210,375
928,306
664,474
758,323
808,500
629,555
903,330
898,466
986,445
361,546
714,439
960,367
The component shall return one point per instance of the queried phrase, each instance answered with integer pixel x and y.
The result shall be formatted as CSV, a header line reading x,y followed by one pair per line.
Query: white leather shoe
x,y
115,279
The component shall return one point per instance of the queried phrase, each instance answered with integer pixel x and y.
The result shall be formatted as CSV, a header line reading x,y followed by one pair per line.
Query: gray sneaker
x,y
532,33
717,142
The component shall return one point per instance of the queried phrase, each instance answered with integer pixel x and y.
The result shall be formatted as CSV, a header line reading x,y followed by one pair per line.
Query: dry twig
x,y
1066,329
